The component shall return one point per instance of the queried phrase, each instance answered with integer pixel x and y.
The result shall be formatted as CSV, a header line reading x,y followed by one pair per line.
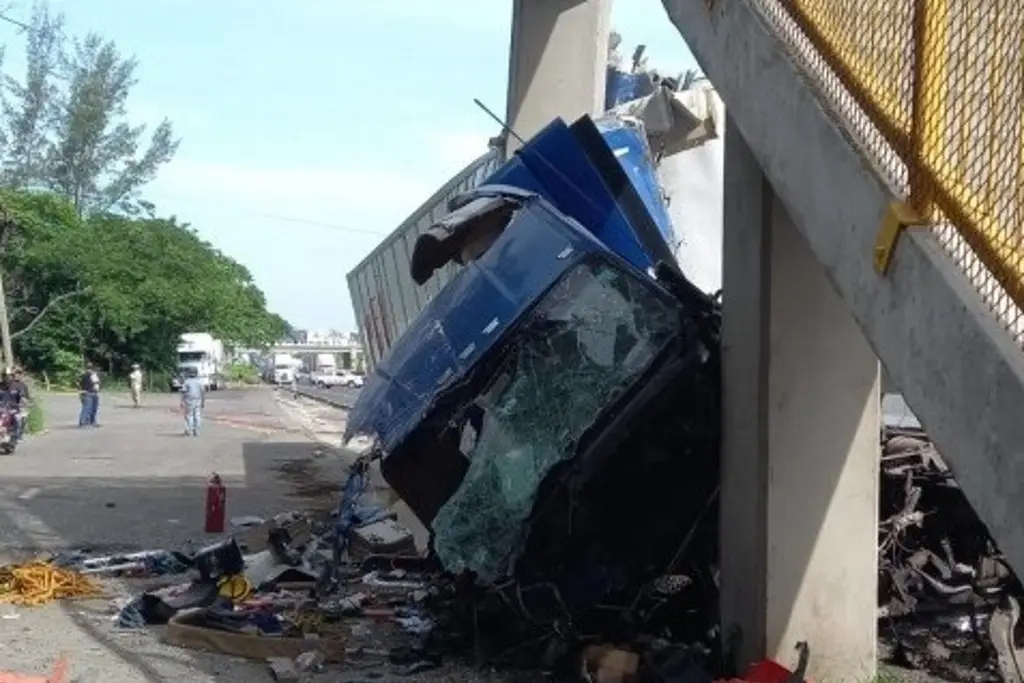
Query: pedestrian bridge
x,y
318,347
890,135
349,355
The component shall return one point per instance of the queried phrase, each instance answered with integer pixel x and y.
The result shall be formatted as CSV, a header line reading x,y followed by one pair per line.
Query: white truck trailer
x,y
325,363
202,352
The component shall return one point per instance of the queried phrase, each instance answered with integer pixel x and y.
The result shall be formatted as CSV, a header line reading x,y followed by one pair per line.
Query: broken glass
x,y
593,335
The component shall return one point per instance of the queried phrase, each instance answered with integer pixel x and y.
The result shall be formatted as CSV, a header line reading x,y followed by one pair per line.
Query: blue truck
x,y
552,414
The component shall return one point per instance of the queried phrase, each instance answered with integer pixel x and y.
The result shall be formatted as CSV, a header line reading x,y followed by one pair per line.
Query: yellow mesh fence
x,y
934,91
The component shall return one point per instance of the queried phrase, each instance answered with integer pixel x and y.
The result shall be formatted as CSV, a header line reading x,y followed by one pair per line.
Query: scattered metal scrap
x,y
946,594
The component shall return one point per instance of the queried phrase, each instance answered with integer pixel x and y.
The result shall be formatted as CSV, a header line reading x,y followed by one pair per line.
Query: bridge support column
x,y
557,62
801,445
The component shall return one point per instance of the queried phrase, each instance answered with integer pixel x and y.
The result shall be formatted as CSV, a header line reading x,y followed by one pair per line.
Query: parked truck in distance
x,y
282,368
325,362
202,352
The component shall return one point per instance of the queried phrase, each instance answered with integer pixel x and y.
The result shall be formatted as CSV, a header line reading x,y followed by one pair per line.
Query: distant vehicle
x,y
303,375
352,380
325,362
338,378
283,368
202,352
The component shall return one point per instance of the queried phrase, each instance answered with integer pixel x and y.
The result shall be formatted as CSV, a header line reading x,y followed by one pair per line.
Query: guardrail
x,y
932,90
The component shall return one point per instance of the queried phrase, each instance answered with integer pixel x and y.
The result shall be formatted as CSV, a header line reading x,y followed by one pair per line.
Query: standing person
x,y
20,398
135,380
89,388
193,400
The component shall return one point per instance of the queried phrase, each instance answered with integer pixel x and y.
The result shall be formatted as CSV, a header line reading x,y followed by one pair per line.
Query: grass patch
x,y
35,421
242,373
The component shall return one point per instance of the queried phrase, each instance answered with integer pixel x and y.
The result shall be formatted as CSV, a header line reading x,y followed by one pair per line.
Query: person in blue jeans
x,y
193,400
89,388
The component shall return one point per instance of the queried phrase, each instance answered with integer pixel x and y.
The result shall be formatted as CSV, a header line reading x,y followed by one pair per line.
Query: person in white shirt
x,y
135,381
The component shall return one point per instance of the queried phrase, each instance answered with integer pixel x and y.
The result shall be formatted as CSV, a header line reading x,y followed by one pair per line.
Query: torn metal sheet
x,y
474,223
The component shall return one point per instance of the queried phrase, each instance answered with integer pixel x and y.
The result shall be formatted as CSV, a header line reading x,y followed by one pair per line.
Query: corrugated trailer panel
x,y
384,297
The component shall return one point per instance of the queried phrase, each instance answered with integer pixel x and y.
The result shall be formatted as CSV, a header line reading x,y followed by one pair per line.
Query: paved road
x,y
341,395
137,482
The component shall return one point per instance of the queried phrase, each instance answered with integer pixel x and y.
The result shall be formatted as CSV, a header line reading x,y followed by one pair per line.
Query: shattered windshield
x,y
588,340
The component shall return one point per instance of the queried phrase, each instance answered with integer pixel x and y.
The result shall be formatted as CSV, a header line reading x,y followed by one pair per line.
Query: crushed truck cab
x,y
559,397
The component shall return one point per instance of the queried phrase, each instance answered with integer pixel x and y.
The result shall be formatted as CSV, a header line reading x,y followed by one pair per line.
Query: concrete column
x,y
801,445
557,62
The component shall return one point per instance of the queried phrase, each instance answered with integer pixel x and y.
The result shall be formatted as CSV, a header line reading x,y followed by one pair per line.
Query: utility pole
x,y
5,325
6,225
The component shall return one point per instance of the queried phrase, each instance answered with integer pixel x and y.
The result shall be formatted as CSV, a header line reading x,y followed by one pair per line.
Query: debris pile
x,y
941,576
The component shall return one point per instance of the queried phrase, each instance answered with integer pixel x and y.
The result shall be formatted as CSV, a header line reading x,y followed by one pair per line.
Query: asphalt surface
x,y
340,396
136,482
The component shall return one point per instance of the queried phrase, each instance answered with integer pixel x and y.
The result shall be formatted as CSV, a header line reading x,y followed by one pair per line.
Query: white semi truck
x,y
325,362
202,352
283,367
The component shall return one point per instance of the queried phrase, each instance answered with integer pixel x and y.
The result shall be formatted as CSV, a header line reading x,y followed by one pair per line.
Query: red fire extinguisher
x,y
216,505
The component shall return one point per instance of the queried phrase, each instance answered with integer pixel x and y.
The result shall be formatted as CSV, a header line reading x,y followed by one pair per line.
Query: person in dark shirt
x,y
18,389
19,396
89,388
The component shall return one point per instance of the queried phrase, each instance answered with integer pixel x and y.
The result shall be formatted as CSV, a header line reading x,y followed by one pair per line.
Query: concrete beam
x,y
557,62
958,369
800,457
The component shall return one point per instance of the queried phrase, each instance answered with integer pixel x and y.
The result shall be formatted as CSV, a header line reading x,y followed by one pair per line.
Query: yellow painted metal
x,y
931,90
897,217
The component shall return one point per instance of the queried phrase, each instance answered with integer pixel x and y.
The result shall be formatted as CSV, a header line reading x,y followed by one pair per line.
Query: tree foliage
x,y
90,271
64,126
118,289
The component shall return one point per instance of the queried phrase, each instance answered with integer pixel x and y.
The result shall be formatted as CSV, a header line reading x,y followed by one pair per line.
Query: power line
x,y
319,224
172,202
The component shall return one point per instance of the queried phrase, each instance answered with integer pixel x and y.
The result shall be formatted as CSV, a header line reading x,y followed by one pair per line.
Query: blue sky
x,y
311,128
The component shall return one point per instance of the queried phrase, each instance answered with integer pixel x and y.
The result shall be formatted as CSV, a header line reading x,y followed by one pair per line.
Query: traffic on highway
x,y
337,395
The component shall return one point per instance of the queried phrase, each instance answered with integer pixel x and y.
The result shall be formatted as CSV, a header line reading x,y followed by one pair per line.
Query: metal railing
x,y
934,92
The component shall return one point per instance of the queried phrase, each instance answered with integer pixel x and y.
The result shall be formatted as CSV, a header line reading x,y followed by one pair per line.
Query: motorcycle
x,y
9,417
8,430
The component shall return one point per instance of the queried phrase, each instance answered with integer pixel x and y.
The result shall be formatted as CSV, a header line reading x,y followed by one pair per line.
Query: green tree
x,y
118,289
64,124
90,270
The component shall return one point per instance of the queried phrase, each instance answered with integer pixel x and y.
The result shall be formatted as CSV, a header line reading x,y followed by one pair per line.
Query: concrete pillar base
x,y
799,518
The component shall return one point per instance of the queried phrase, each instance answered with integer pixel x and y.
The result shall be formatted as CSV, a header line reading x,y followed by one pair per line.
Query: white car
x,y
338,378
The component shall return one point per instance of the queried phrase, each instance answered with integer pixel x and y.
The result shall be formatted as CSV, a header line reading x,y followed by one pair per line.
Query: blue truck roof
x,y
467,318
592,188
602,177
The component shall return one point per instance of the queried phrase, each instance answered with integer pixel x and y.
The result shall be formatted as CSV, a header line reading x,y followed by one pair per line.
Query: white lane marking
x,y
29,494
